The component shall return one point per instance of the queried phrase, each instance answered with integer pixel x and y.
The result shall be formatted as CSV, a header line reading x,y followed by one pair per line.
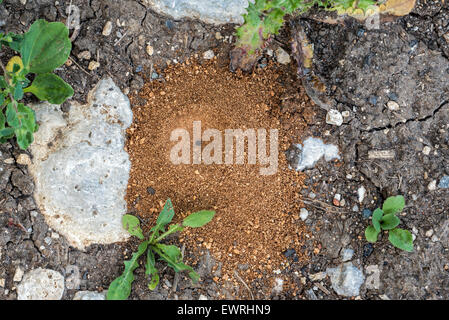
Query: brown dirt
x,y
257,217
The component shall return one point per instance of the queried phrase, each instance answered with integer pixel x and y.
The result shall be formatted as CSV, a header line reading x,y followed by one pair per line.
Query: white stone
x,y
303,213
361,191
432,185
426,150
202,297
90,295
347,254
279,284
18,275
41,284
209,11
282,56
82,175
313,149
429,233
334,117
209,54
346,279
373,277
393,105
2,282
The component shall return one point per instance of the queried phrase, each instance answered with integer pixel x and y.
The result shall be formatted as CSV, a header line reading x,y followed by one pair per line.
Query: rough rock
x,y
41,284
80,168
90,295
346,279
305,156
373,277
210,11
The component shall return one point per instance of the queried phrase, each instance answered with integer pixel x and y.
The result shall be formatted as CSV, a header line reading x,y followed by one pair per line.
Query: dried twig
x,y
244,283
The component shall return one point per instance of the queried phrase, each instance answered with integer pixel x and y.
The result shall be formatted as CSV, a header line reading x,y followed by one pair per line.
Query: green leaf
x,y
132,225
11,116
45,46
377,216
51,88
371,234
151,270
393,204
401,239
24,137
120,288
164,218
3,83
389,221
27,117
18,92
172,255
198,219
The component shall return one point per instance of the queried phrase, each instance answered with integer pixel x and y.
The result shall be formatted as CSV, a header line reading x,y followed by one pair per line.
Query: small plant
x,y
386,219
120,288
265,18
42,49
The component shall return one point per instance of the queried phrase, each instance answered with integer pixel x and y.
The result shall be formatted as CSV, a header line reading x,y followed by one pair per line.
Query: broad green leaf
x,y
371,234
172,255
151,270
49,87
389,221
12,40
2,120
198,219
24,137
401,239
132,225
120,288
11,116
45,46
27,117
393,204
377,216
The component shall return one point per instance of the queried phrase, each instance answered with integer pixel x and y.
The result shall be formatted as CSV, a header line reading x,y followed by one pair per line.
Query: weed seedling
x,y
386,219
45,47
120,288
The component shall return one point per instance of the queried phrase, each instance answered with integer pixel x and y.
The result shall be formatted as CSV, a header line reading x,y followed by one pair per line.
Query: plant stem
x,y
165,234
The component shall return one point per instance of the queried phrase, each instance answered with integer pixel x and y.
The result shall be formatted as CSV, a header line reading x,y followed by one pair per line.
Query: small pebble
x,y
392,105
432,185
107,29
368,248
84,55
444,182
149,50
209,54
334,117
426,150
23,159
18,275
366,213
93,65
429,233
303,213
282,56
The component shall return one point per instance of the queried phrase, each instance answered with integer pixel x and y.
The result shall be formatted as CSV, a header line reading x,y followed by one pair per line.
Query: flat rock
x,y
210,11
80,167
346,279
41,284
